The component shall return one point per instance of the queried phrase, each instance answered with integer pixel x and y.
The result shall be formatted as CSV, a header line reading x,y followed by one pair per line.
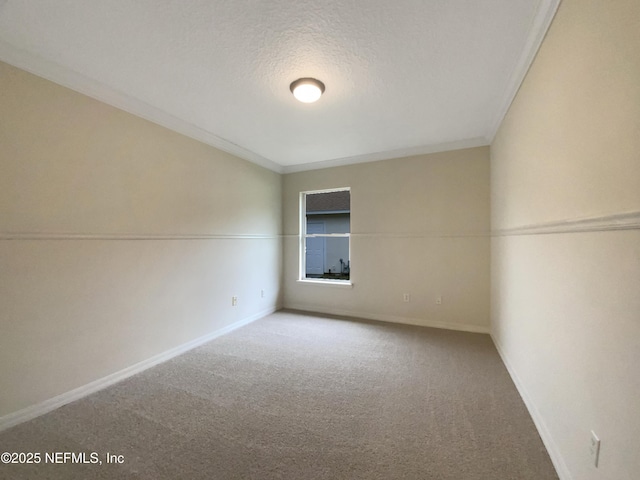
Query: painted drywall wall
x,y
419,225
119,240
565,291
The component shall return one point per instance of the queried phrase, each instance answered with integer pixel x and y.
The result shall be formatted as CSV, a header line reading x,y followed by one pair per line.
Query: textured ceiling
x,y
402,77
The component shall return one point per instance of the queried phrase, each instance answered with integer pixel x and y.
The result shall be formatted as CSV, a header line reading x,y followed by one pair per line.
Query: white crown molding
x,y
388,155
602,223
29,413
75,81
540,25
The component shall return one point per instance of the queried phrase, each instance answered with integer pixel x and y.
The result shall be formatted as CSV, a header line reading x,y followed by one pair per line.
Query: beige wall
x,y
566,305
419,226
119,239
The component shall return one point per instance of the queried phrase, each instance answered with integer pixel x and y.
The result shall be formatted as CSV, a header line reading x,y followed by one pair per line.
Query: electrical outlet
x,y
439,300
261,293
406,297
234,301
594,448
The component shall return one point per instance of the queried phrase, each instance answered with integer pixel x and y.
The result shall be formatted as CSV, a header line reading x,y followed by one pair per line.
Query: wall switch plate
x,y
406,297
234,301
439,300
261,293
594,448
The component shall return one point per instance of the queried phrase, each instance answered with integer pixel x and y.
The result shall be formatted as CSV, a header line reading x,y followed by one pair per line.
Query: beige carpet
x,y
296,396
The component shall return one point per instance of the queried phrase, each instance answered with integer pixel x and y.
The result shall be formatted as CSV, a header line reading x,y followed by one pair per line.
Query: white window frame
x,y
302,273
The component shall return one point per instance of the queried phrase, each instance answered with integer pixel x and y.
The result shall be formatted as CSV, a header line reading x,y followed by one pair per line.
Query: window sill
x,y
327,283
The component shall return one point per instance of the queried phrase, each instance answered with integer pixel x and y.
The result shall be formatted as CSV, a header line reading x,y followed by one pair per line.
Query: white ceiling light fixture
x,y
307,90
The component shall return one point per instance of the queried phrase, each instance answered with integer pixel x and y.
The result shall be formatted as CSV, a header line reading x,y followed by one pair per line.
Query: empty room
x,y
320,239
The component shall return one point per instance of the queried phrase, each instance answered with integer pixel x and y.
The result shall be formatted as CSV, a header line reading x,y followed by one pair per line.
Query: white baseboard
x,y
552,448
389,318
29,413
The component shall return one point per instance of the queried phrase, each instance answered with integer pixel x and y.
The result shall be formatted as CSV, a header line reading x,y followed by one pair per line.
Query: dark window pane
x,y
339,201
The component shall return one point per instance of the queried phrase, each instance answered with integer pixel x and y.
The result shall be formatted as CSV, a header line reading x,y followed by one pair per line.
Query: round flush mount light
x,y
307,90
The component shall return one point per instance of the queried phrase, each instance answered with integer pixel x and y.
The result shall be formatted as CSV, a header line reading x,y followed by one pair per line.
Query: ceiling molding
x,y
388,155
75,81
539,27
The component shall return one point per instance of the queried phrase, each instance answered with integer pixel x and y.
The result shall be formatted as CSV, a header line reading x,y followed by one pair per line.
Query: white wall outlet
x,y
234,301
594,448
439,300
406,297
261,293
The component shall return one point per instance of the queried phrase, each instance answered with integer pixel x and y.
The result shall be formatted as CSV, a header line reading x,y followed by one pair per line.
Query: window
x,y
325,227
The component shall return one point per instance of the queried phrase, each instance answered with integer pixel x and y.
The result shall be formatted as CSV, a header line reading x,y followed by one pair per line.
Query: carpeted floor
x,y
295,396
